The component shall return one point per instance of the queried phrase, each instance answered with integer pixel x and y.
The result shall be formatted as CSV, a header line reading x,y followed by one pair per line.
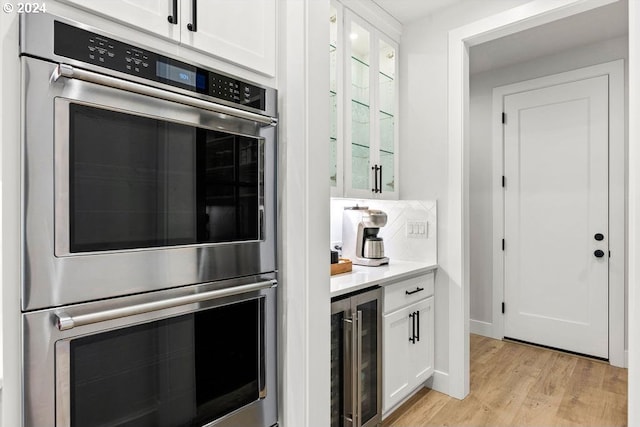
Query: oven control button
x,y
137,61
111,54
128,59
92,48
101,59
145,64
129,67
137,70
92,56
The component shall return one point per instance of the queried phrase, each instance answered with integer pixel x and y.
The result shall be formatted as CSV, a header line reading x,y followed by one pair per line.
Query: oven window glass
x,y
184,371
139,182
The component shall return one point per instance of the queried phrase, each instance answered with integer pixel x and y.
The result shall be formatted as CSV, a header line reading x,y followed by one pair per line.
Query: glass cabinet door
x,y
368,369
337,369
360,101
387,109
371,104
335,98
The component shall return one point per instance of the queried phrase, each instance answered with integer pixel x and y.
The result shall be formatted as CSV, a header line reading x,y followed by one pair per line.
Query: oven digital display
x,y
176,74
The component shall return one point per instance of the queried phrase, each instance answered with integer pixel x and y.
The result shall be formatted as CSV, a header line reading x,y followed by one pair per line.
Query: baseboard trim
x,y
626,359
439,381
479,327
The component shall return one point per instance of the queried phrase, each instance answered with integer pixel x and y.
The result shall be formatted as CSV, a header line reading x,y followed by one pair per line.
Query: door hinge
x,y
503,308
504,181
503,244
504,118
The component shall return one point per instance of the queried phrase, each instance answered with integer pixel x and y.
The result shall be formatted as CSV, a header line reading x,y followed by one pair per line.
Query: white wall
x,y
9,143
481,164
424,135
304,206
634,215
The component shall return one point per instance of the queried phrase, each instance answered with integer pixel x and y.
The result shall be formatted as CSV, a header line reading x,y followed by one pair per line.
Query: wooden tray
x,y
343,266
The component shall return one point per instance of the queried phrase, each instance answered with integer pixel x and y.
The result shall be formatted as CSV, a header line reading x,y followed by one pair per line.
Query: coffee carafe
x,y
360,240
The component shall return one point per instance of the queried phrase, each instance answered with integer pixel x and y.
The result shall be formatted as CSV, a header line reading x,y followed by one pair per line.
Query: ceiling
x,y
586,28
406,11
583,29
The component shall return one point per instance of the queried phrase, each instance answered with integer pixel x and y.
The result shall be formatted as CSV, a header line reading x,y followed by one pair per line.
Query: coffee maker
x,y
360,240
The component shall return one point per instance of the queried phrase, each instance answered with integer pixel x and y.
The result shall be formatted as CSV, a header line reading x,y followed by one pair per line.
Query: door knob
x,y
598,236
598,253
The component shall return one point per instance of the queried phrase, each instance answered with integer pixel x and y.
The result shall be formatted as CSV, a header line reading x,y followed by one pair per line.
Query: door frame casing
x,y
617,192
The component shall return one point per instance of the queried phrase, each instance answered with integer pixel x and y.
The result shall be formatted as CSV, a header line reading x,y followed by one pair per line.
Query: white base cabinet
x,y
408,338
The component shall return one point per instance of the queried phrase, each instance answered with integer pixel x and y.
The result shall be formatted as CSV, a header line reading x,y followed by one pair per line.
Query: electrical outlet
x,y
417,229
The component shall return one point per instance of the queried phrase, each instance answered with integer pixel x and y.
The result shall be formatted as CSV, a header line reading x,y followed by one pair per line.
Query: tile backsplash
x,y
403,216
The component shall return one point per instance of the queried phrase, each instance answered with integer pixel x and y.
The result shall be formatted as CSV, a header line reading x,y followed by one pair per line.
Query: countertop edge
x,y
382,281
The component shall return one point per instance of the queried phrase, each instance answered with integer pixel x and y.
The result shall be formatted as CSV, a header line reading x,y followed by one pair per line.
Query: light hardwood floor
x,y
519,385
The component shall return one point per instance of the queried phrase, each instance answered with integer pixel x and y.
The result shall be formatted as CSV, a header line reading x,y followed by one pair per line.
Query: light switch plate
x,y
417,229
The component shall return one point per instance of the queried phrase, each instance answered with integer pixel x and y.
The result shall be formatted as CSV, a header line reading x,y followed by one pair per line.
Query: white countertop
x,y
363,277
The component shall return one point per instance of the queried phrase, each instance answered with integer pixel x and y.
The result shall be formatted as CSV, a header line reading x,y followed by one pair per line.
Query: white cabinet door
x,y
421,352
148,15
396,375
408,350
241,31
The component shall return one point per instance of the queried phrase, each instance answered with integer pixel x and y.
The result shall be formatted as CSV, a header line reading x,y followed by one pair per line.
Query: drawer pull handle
x,y
414,291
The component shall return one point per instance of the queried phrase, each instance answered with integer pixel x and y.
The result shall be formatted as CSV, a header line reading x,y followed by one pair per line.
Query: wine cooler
x,y
356,391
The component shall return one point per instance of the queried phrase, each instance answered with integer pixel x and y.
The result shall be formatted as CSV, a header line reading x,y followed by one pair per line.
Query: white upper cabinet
x,y
364,105
239,31
150,15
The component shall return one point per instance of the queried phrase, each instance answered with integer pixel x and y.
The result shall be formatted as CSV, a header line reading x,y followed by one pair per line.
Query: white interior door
x,y
556,203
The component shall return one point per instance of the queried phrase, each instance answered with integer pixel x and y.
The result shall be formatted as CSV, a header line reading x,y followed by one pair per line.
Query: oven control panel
x,y
91,48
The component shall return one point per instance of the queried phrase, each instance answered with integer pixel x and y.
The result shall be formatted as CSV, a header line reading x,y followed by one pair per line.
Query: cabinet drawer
x,y
407,292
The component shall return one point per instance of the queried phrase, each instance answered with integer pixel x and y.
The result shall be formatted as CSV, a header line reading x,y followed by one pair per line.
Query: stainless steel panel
x,y
54,279
67,71
46,350
36,39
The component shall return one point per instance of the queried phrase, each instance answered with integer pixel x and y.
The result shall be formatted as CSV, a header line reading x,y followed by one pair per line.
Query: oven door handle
x,y
66,321
69,72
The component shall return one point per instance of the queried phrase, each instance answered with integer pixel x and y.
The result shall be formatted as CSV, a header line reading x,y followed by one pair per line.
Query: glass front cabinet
x,y
363,108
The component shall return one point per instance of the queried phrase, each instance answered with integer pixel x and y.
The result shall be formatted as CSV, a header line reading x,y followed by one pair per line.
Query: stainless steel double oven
x,y
149,236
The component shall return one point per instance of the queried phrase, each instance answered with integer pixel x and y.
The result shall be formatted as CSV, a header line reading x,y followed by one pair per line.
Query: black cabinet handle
x,y
376,188
412,338
599,237
374,168
193,25
173,18
417,316
414,291
598,253
380,170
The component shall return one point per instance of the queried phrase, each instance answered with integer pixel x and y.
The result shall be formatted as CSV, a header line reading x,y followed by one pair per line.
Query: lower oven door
x,y
203,356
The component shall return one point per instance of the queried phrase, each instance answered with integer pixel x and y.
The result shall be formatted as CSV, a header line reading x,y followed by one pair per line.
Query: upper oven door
x,y
138,193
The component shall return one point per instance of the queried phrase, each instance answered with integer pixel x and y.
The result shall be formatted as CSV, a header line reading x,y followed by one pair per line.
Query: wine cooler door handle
x,y
348,338
358,405
380,170
417,317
